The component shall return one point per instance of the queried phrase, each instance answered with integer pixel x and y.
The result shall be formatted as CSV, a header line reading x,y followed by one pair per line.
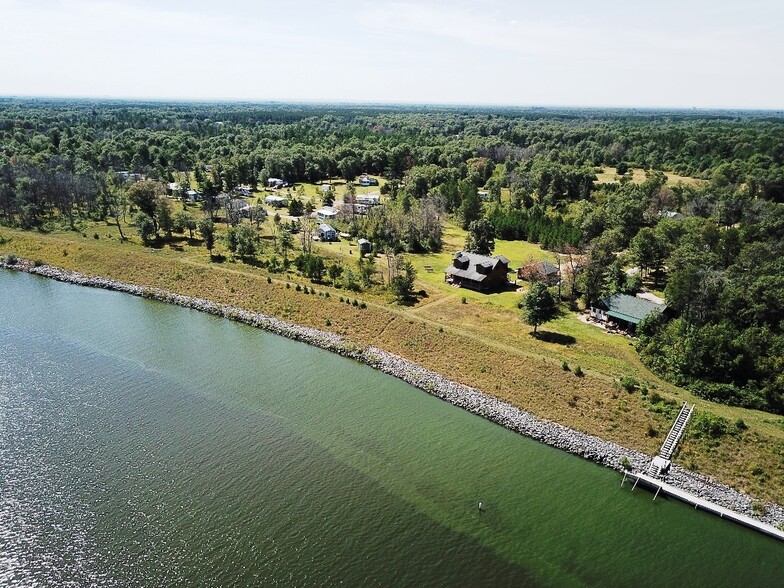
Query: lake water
x,y
149,445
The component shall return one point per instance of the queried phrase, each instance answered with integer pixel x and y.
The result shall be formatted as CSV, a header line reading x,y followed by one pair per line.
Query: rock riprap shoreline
x,y
603,452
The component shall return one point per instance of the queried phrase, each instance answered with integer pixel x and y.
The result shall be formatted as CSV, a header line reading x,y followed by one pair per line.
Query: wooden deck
x,y
706,505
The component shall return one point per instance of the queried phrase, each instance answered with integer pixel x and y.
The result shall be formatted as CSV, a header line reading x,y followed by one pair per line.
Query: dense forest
x,y
714,246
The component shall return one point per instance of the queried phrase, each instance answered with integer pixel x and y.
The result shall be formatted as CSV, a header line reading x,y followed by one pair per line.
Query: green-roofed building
x,y
624,310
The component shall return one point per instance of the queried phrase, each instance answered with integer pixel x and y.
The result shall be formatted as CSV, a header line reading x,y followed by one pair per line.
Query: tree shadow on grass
x,y
413,299
557,338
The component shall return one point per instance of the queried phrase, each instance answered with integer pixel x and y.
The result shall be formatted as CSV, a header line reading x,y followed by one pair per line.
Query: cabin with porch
x,y
478,272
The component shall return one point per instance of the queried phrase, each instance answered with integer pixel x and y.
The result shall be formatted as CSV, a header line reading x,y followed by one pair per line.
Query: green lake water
x,y
149,445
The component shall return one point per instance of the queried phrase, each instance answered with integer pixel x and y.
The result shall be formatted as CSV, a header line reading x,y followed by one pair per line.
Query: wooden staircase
x,y
660,464
676,432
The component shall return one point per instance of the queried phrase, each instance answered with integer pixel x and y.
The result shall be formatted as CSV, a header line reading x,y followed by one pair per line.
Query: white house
x,y
326,213
373,199
275,201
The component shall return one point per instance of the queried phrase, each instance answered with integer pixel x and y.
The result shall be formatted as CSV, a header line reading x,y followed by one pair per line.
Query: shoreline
x,y
605,453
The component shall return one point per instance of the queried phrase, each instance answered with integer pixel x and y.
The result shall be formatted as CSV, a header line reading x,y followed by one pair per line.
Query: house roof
x,y
237,204
474,260
629,308
544,268
324,228
362,241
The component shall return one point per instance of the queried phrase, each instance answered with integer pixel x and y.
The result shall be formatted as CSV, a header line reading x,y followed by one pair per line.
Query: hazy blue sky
x,y
563,52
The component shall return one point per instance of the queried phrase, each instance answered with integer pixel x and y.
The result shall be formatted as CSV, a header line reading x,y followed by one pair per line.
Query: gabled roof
x,y
543,268
474,260
324,228
630,308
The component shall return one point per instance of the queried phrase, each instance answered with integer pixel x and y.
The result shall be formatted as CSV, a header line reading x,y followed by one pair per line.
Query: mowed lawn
x,y
607,175
430,267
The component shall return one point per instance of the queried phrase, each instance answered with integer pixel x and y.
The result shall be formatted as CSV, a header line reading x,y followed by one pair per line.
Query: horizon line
x,y
413,103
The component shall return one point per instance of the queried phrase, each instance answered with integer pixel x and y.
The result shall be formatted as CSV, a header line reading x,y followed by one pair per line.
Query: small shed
x,y
327,232
365,246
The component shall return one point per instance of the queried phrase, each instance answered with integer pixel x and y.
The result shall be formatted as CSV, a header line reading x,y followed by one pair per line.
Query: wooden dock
x,y
725,513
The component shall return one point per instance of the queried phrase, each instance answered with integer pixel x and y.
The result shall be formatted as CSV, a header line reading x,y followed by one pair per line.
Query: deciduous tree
x,y
207,230
539,305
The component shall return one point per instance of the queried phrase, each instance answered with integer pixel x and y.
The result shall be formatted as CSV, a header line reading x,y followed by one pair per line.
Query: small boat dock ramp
x,y
655,476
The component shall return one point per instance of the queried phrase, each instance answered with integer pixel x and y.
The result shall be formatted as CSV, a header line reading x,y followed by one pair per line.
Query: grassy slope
x,y
481,343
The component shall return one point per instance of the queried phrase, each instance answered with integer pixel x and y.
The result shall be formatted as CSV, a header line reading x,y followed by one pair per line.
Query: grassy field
x,y
481,342
608,176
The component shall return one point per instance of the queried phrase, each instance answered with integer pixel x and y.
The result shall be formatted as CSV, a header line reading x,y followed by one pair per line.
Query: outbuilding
x,y
327,232
364,246
542,271
624,311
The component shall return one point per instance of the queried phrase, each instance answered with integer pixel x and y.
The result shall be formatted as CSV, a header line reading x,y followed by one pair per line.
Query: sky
x,y
657,53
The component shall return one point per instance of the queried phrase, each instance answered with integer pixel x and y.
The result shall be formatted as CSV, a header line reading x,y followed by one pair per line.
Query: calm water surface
x,y
148,445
